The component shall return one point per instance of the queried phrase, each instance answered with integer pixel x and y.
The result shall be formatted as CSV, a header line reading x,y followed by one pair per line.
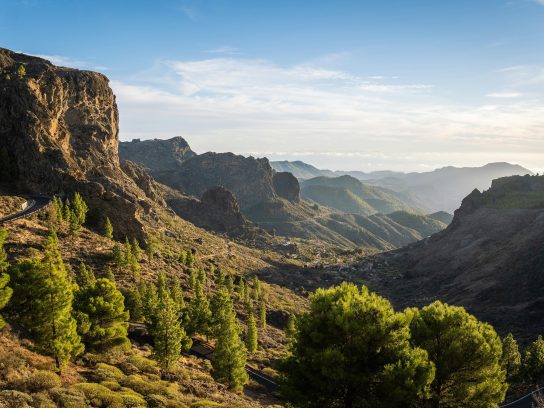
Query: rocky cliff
x,y
490,259
59,134
157,155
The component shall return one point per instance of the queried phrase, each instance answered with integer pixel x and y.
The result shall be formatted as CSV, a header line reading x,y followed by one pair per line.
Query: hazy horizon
x,y
409,86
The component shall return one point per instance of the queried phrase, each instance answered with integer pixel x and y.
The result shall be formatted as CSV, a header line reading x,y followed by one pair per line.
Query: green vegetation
x,y
108,229
466,354
229,357
352,349
5,290
251,335
42,303
511,357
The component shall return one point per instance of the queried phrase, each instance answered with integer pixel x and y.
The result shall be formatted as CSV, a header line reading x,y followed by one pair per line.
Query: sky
x,y
345,85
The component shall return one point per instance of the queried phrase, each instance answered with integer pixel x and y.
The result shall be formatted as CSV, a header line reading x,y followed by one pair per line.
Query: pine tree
x,y
192,279
127,256
108,228
66,211
57,203
183,257
108,274
100,307
533,361
169,338
229,356
117,256
85,276
134,304
251,336
290,330
53,218
262,314
242,289
150,302
136,250
202,278
220,301
199,311
511,357
257,290
190,259
150,248
5,290
79,209
42,305
229,284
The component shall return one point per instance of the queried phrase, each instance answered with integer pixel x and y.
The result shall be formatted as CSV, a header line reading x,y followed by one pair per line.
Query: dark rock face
x,y
157,155
249,179
217,210
59,131
286,186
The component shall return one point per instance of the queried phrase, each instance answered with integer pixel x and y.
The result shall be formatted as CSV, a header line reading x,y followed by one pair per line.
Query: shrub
x,y
106,372
98,395
144,386
144,364
42,381
204,403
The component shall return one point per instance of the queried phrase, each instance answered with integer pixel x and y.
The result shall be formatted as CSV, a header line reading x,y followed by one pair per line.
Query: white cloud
x,y
251,105
505,95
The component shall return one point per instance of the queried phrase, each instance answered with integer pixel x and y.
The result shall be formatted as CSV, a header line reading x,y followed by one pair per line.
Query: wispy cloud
x,y
505,95
224,50
252,105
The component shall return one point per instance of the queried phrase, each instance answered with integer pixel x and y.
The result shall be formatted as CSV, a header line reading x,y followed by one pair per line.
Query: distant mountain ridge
x,y
438,190
271,199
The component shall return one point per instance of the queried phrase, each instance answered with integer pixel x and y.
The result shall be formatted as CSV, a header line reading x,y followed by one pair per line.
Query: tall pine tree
x,y
42,303
199,311
108,228
229,356
252,335
169,338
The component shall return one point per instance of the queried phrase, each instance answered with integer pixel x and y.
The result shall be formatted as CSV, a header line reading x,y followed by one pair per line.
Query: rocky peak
x,y
59,132
286,186
157,155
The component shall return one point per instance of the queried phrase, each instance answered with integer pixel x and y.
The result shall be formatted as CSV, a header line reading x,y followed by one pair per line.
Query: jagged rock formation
x,y
59,131
490,259
157,155
217,210
286,186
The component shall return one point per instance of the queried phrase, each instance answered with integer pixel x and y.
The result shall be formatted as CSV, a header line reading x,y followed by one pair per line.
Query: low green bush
x,y
42,381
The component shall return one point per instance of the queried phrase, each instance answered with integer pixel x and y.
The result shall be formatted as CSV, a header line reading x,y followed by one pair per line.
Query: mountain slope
x,y
347,194
489,259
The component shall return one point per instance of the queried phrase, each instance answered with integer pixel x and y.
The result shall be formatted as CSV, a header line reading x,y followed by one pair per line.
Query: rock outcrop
x,y
217,210
157,155
286,186
59,134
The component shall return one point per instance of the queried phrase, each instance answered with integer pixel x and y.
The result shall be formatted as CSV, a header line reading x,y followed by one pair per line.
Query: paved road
x,y
33,205
526,401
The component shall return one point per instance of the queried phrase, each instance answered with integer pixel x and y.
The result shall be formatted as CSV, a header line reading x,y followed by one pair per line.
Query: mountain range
x,y
438,190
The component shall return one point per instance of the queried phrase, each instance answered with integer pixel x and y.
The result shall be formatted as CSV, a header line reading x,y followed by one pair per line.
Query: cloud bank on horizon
x,y
333,118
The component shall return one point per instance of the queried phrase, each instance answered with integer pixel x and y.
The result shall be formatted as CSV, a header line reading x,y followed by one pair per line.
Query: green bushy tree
x,y
262,314
100,311
533,361
199,311
251,335
229,357
466,354
352,350
511,357
169,337
108,228
42,303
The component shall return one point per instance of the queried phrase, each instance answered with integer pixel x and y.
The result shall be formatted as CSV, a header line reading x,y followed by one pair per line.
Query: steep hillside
x,y
489,259
347,194
300,170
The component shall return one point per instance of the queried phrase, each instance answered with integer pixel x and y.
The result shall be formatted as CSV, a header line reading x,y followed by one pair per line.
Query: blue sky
x,y
404,85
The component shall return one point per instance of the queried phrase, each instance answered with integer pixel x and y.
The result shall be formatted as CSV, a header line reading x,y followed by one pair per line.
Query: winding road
x,y
33,205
